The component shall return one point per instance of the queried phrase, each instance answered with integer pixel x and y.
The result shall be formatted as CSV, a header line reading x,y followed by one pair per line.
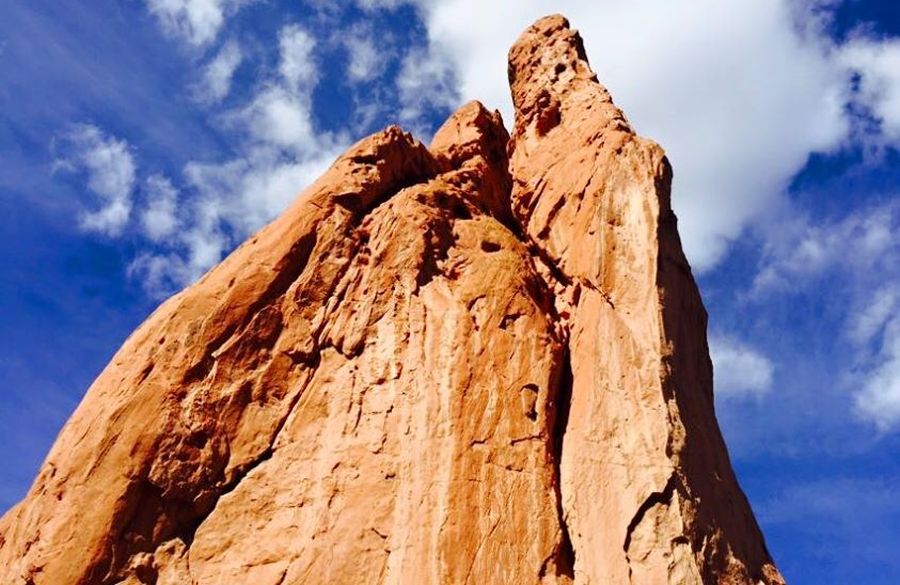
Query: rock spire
x,y
482,361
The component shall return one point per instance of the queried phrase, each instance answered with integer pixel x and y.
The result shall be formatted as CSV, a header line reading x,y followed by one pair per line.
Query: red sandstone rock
x,y
438,366
648,494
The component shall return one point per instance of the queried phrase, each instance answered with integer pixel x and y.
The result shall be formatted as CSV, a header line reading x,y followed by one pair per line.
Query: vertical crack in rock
x,y
188,532
661,498
565,553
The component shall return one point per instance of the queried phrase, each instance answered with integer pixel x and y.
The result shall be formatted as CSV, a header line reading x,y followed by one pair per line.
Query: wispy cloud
x,y
877,62
382,4
366,57
804,249
158,218
197,22
215,82
279,114
186,254
110,171
426,83
280,152
740,370
878,399
870,319
297,66
280,117
857,261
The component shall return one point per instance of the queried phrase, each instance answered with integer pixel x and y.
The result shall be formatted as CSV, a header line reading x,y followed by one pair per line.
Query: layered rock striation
x,y
479,362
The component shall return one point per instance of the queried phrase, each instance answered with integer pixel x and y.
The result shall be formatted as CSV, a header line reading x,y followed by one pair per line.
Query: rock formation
x,y
479,362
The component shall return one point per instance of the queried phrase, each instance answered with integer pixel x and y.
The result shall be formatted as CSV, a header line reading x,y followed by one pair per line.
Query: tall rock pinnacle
x,y
479,362
648,494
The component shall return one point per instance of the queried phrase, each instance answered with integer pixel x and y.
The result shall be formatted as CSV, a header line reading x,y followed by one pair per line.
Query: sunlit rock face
x,y
482,361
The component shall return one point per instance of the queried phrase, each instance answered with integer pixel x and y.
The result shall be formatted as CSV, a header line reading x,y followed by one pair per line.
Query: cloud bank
x,y
739,93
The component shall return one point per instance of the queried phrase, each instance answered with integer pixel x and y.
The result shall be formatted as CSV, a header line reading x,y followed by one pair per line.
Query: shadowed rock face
x,y
479,362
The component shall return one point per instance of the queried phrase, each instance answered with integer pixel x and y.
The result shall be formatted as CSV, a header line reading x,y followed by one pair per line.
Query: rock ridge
x,y
482,361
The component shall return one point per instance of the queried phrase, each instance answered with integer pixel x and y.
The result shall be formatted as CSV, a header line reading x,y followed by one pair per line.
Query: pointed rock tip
x,y
471,131
470,147
545,50
392,136
388,147
544,62
373,167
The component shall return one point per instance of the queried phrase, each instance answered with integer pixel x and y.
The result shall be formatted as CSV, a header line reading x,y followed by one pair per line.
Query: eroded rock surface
x,y
479,362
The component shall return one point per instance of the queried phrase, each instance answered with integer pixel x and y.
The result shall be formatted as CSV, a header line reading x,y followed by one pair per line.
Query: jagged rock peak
x,y
547,61
479,362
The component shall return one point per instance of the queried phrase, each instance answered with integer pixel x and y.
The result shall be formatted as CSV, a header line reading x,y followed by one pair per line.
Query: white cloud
x,y
242,194
109,220
739,370
426,82
878,63
284,152
160,275
856,262
875,329
297,67
382,4
872,317
159,219
184,257
196,21
110,170
280,114
217,74
739,93
253,190
804,250
280,117
878,400
281,153
365,61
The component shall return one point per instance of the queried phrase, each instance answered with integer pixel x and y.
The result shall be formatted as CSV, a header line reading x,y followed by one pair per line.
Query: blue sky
x,y
143,139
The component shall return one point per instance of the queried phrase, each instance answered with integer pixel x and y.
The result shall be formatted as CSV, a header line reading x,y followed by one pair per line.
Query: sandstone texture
x,y
480,362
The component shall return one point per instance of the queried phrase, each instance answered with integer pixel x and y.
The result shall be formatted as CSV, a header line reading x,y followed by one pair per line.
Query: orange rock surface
x,y
479,362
